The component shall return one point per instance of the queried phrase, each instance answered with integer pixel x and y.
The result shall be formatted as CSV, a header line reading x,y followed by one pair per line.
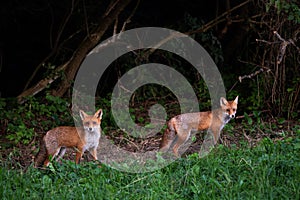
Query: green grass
x,y
268,171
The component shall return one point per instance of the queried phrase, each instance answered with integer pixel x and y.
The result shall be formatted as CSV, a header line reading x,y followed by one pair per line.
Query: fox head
x,y
229,107
91,122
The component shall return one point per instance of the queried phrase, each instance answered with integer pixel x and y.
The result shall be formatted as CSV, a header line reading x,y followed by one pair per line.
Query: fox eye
x,y
86,123
94,123
227,110
234,110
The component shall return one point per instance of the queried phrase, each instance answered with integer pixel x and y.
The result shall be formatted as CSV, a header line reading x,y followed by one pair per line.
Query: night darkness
x,y
27,30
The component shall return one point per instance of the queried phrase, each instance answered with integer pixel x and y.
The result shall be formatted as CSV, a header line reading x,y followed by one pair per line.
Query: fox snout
x,y
232,116
90,128
230,113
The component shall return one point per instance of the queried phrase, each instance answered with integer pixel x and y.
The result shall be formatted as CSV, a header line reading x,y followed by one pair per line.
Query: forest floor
x,y
235,134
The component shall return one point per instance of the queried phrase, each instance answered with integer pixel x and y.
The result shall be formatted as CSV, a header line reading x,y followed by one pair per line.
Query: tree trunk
x,y
88,44
71,67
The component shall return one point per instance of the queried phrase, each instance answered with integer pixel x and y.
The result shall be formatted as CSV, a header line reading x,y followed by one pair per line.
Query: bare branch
x,y
128,20
204,28
279,37
71,67
115,30
217,19
250,115
85,18
55,46
264,41
111,7
102,45
41,85
283,46
250,76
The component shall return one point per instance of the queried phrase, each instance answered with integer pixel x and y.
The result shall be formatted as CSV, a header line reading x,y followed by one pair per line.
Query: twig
x,y
254,73
111,7
213,22
55,46
264,41
204,28
279,37
42,84
113,39
247,137
250,115
85,18
284,44
126,90
233,86
115,30
128,20
240,78
124,138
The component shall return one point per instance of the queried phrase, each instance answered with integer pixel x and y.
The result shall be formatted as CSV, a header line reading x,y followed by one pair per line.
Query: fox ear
x,y
82,114
98,114
236,99
223,101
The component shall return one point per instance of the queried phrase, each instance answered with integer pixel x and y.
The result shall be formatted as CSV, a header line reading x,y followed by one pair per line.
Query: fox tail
x,y
41,156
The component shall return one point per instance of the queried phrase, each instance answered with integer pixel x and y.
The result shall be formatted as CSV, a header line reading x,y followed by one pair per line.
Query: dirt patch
x,y
22,156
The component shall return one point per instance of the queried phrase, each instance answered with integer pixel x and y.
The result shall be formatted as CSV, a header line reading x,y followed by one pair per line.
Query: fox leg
x,y
79,154
51,153
61,153
215,130
52,150
94,153
167,140
46,162
78,157
182,137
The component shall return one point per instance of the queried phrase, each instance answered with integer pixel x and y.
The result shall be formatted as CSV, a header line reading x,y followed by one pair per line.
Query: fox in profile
x,y
179,127
83,138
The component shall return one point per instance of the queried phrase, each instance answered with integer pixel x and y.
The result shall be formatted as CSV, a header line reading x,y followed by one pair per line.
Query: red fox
x,y
83,138
179,127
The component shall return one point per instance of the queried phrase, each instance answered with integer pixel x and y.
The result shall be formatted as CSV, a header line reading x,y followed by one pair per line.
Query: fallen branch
x,y
41,85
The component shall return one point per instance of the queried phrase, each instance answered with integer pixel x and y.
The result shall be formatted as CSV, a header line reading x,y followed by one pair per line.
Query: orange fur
x,y
84,138
180,126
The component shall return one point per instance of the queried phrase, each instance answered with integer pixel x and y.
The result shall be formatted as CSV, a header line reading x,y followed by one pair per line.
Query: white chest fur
x,y
92,139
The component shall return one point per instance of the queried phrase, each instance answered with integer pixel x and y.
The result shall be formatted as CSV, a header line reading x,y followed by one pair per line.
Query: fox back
x,y
83,138
180,126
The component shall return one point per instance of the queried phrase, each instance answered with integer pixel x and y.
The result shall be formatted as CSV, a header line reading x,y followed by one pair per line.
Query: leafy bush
x,y
23,121
291,8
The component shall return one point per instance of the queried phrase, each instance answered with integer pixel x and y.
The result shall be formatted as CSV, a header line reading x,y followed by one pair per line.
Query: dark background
x,y
29,30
